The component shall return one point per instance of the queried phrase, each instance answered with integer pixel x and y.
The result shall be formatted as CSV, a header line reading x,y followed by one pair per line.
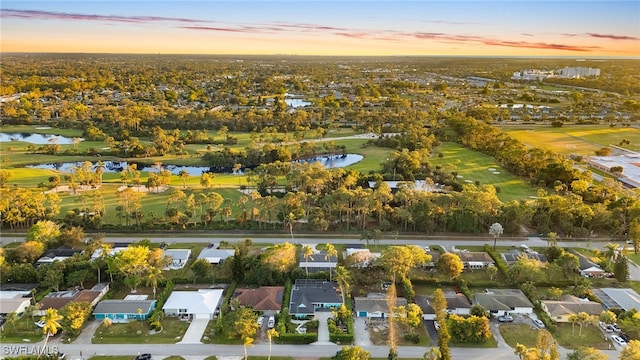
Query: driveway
x,y
195,331
361,332
323,328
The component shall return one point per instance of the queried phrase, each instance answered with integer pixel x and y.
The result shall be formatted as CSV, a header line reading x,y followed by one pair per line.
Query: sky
x,y
304,27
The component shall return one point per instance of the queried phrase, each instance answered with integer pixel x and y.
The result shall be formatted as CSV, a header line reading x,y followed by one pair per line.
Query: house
x,y
309,295
504,301
58,299
123,311
13,302
560,310
359,258
457,303
512,256
267,299
179,258
374,305
58,254
319,263
587,267
474,260
201,304
215,256
624,299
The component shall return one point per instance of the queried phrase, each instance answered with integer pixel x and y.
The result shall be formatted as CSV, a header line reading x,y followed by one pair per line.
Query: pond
x,y
330,162
295,101
39,139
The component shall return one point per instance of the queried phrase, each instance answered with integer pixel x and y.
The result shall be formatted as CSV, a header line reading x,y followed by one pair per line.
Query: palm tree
x,y
184,175
271,333
495,230
248,341
308,252
330,252
153,277
51,326
573,319
610,251
289,220
343,277
552,239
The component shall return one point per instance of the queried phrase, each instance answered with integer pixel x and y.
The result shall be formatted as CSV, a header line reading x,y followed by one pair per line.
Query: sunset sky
x,y
478,28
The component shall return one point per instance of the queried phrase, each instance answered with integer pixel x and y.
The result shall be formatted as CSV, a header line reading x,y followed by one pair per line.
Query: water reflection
x,y
38,139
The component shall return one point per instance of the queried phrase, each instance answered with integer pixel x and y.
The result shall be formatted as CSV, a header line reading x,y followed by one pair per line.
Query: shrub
x,y
414,338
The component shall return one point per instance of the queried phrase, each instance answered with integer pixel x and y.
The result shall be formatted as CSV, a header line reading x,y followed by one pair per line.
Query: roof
x,y
570,304
502,299
261,299
625,299
203,301
57,300
512,256
178,254
472,256
454,301
215,256
124,306
309,292
18,287
375,303
13,304
62,251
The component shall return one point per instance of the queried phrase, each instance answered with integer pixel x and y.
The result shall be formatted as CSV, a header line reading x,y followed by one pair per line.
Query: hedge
x,y
500,264
295,338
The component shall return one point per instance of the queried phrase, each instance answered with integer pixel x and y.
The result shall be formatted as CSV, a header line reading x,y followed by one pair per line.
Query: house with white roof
x,y
216,256
612,298
201,304
179,258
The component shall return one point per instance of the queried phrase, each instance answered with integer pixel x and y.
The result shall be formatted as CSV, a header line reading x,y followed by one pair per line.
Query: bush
x,y
500,264
414,338
295,338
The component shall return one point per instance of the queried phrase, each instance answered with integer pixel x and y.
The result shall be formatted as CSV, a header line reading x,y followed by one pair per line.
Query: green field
x,y
578,139
474,166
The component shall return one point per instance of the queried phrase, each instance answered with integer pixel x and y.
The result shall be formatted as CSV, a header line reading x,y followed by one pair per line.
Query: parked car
x,y
436,325
539,323
272,322
615,328
605,327
260,320
40,324
143,357
625,337
618,340
506,318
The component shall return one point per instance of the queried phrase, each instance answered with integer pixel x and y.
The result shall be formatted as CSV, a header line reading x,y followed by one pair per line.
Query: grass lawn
x,y
491,343
137,332
591,336
381,336
474,166
576,139
519,333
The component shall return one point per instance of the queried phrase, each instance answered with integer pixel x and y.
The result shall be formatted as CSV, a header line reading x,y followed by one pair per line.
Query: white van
x,y
272,322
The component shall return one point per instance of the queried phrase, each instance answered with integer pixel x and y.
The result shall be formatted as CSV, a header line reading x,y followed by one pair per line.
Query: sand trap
x,y
65,188
492,169
469,181
43,127
144,189
496,172
459,176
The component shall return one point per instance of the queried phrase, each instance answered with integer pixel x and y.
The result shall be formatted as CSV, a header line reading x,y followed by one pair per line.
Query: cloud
x,y
211,28
450,22
50,15
533,45
613,37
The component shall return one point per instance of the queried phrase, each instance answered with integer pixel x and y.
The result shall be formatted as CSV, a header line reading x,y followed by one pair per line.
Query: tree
x,y
271,333
587,353
74,315
621,268
307,253
554,293
5,177
399,260
44,231
201,269
440,308
492,271
450,265
552,239
153,277
184,175
432,354
568,262
573,319
280,258
12,319
608,317
634,234
479,310
289,220
352,353
631,351
495,230
343,278
51,326
410,315
330,251
247,341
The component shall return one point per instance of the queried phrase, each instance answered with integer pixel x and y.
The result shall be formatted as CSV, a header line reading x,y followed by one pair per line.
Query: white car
x,y
40,324
618,340
605,327
615,328
272,322
260,320
538,323
436,325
